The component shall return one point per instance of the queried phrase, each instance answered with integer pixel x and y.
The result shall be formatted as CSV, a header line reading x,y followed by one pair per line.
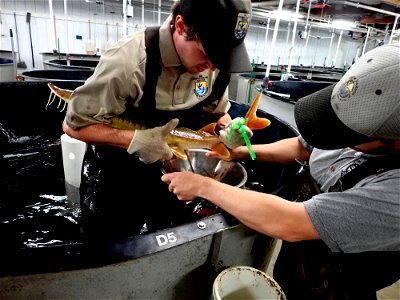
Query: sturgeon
x,y
180,139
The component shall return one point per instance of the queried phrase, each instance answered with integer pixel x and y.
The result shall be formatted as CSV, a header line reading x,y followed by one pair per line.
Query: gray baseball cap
x,y
363,106
222,26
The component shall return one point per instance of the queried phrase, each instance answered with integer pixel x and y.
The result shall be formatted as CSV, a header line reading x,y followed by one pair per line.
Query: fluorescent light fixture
x,y
342,24
287,15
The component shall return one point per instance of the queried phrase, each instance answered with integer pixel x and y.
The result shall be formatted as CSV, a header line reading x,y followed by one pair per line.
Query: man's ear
x,y
180,25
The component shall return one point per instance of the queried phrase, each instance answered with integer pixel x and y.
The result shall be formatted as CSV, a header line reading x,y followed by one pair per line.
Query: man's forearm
x,y
265,213
101,134
284,151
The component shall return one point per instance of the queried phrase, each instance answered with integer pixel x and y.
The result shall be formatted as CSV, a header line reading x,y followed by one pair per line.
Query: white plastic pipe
x,y
330,47
293,37
124,23
159,12
53,29
266,41
393,29
337,47
73,151
276,28
366,40
287,41
142,13
66,30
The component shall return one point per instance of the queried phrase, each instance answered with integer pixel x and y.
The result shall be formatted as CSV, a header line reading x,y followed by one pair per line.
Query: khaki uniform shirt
x,y
121,74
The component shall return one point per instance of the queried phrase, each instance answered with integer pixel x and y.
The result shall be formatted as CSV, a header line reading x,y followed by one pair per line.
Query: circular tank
x,y
80,64
45,251
62,75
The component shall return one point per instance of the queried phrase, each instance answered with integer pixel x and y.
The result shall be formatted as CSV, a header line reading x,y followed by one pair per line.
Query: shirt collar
x,y
169,56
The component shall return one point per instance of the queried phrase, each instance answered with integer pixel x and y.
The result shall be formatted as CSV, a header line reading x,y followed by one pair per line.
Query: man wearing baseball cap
x,y
156,77
346,238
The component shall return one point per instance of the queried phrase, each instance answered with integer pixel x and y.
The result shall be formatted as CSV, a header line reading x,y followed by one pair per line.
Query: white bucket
x,y
242,282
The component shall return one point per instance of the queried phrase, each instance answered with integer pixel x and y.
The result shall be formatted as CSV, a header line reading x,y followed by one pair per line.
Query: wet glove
x,y
234,139
150,144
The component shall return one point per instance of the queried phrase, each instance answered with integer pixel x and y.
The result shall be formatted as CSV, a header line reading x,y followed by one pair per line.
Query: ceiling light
x,y
342,24
288,15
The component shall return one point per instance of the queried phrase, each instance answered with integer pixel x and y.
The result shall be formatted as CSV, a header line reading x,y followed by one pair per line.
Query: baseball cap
x,y
363,106
222,26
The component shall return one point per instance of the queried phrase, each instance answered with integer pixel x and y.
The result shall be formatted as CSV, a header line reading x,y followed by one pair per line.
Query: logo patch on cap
x,y
200,87
349,88
242,25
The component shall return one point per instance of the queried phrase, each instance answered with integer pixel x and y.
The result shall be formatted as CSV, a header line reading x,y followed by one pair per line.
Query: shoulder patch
x,y
242,25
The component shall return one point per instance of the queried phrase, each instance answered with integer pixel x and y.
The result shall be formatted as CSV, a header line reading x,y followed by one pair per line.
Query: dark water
x,y
34,208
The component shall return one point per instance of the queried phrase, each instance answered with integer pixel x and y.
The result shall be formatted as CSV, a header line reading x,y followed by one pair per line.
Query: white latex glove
x,y
236,139
150,144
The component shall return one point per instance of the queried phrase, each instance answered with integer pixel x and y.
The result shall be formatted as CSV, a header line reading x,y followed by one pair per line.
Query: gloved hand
x,y
150,144
234,139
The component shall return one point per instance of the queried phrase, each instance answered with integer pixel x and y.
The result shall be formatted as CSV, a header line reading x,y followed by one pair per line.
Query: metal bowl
x,y
229,172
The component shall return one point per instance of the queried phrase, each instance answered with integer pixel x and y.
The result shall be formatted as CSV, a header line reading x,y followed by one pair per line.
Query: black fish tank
x,y
45,250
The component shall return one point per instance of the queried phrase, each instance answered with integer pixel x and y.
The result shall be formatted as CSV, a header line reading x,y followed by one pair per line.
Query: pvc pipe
x,y
66,31
287,40
330,46
337,47
308,14
386,33
393,29
366,40
271,3
124,24
266,40
73,151
159,12
142,13
293,37
53,29
274,38
307,38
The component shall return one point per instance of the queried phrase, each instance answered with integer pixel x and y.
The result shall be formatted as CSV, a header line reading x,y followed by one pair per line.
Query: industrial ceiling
x,y
379,14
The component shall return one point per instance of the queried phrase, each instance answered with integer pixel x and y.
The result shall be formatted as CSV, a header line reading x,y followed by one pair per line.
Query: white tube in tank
x,y
73,151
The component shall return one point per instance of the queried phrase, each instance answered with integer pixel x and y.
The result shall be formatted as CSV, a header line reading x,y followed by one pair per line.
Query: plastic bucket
x,y
242,282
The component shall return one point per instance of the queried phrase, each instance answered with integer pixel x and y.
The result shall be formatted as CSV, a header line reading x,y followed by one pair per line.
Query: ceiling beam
x,y
369,8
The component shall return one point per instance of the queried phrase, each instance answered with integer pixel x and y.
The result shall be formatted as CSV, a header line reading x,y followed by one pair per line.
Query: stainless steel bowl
x,y
229,172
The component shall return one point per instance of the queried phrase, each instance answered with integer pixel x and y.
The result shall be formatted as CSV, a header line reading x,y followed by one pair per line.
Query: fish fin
x,y
252,121
120,123
178,152
210,128
221,149
63,94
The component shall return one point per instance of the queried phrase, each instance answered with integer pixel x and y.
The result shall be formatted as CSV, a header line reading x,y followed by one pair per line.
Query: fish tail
x,y
252,121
